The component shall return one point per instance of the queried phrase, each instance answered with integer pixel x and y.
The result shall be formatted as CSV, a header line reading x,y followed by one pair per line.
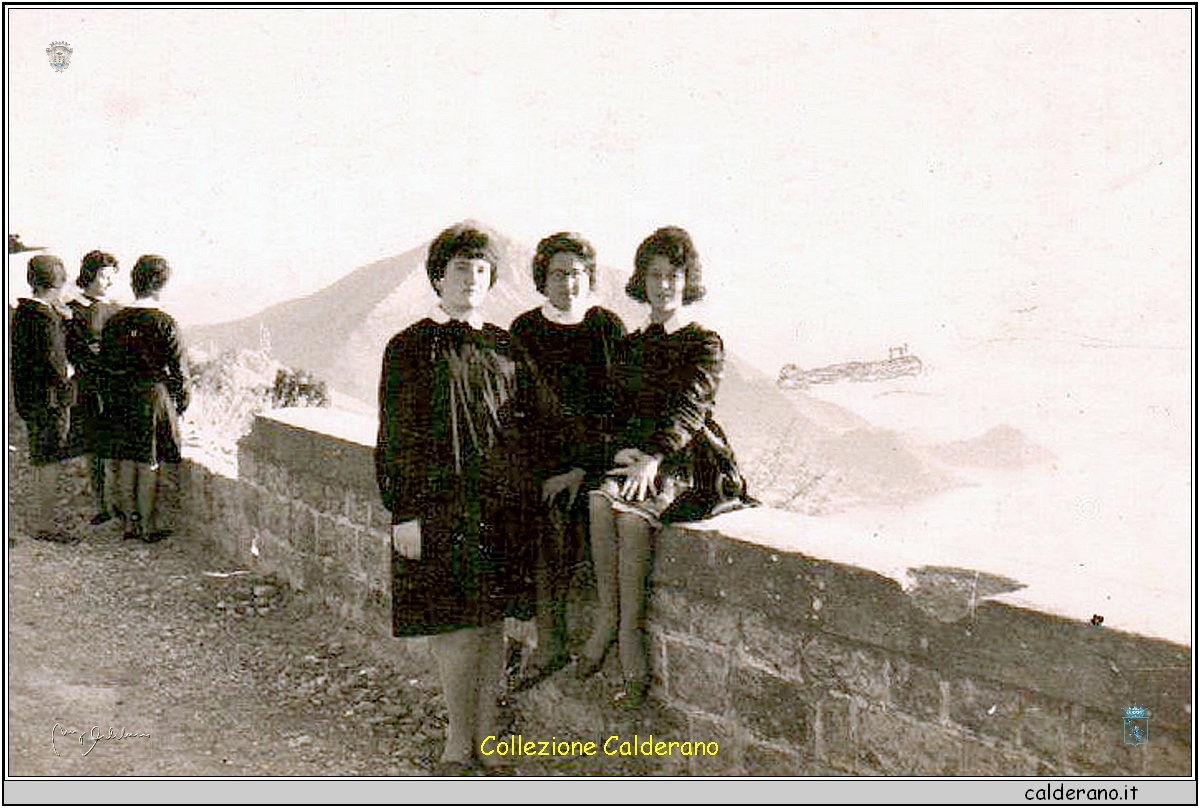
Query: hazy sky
x,y
853,178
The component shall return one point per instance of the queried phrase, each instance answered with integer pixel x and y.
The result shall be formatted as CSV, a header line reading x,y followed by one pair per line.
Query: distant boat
x,y
899,363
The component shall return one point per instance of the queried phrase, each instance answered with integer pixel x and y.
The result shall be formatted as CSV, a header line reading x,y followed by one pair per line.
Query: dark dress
x,y
42,387
449,453
83,349
667,394
572,372
574,367
144,386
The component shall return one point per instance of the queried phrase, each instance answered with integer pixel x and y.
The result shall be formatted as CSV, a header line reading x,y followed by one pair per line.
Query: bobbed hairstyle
x,y
674,244
466,240
45,272
91,265
570,243
150,274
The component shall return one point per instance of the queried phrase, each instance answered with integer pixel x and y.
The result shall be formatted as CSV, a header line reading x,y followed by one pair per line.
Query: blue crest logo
x,y
1137,725
60,55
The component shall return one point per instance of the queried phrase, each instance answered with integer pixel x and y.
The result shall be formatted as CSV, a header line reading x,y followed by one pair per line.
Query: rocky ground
x,y
211,671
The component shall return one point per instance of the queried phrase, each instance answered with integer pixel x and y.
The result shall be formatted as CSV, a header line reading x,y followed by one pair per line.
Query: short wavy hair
x,y
91,265
465,239
45,272
570,243
674,244
150,274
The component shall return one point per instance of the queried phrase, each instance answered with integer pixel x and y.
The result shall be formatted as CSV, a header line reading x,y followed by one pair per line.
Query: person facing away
x,y
448,465
570,346
89,313
145,392
673,462
43,388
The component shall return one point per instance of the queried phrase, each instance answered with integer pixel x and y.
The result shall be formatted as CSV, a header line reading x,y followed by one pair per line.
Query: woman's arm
x,y
176,366
698,376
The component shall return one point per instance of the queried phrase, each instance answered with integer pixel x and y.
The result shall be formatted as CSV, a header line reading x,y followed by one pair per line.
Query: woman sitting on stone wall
x,y
674,463
449,470
571,345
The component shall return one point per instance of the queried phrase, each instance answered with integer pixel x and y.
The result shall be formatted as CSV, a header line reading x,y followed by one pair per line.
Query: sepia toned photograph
x,y
603,392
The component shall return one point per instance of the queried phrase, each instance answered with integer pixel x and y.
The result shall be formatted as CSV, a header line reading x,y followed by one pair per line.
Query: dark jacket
x,y
42,384
667,398
573,372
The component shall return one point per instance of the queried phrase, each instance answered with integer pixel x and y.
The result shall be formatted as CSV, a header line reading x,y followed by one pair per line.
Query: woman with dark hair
x,y
571,346
42,386
89,315
674,463
145,392
448,461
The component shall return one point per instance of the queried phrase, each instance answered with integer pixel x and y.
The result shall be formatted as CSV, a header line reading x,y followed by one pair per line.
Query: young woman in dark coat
x,y
42,386
673,462
88,316
450,468
571,346
145,393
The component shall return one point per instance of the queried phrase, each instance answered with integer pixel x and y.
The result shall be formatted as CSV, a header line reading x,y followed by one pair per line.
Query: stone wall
x,y
794,664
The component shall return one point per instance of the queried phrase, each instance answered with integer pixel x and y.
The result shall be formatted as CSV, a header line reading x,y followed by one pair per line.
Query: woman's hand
x,y
569,481
640,471
406,538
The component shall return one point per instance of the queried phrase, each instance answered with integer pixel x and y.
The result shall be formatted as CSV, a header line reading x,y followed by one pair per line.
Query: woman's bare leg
x,y
604,558
488,675
457,655
45,491
145,495
633,534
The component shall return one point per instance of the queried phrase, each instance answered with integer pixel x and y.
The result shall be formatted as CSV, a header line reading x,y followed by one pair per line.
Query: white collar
x,y
677,321
440,316
144,303
560,317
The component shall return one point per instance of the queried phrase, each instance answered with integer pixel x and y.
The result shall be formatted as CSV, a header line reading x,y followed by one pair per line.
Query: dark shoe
x,y
58,538
101,518
631,697
154,537
586,667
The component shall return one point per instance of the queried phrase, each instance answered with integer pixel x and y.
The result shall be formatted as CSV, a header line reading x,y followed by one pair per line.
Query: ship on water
x,y
899,363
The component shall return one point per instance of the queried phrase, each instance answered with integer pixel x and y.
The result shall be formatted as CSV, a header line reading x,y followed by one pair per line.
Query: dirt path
x,y
136,637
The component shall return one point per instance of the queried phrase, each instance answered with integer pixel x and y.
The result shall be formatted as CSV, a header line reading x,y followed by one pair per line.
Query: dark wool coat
x,y
42,387
144,385
450,454
668,391
574,369
83,349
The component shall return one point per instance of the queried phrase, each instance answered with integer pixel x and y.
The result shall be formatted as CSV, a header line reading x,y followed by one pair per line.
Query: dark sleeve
x,y
697,376
81,343
399,437
594,446
534,402
48,371
175,365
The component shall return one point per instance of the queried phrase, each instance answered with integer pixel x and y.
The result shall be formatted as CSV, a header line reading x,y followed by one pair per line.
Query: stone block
x,y
833,741
252,505
915,690
715,622
776,645
766,761
348,545
358,506
333,500
730,757
669,610
1042,727
698,676
327,535
304,528
310,489
985,707
892,745
277,514
772,707
828,663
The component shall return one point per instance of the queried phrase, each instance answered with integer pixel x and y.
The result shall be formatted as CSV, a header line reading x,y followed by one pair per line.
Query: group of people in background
x,y
96,379
504,455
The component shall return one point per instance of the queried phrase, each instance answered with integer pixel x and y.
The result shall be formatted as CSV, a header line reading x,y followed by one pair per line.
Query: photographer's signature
x,y
93,736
